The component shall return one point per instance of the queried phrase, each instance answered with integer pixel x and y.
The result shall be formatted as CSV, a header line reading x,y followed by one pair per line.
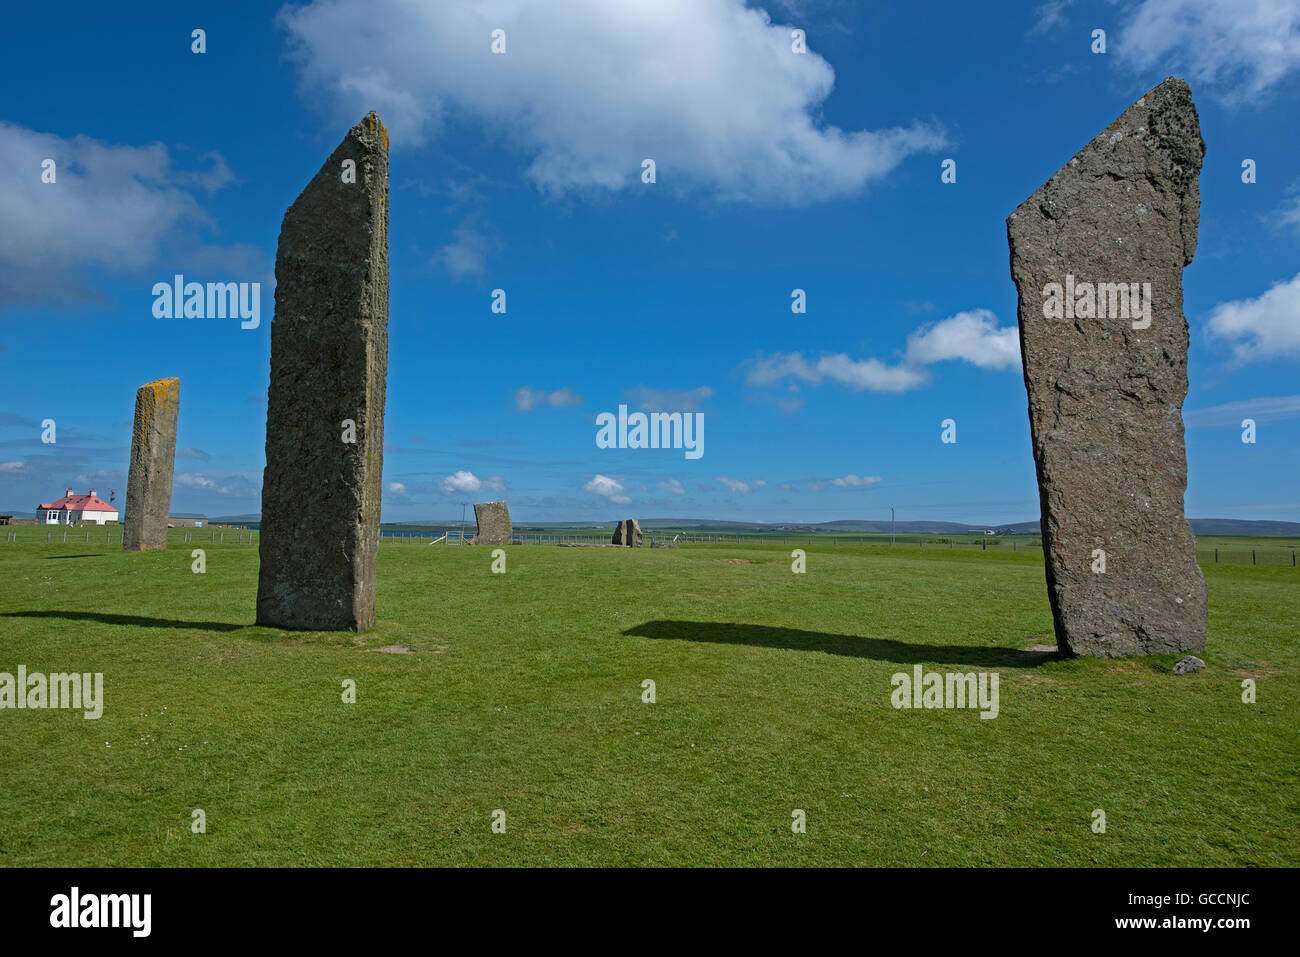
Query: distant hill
x,y
1200,526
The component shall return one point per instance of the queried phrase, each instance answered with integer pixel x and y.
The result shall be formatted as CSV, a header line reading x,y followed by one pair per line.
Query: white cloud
x,y
194,454
397,488
608,488
466,255
1289,214
858,374
234,484
673,487
1238,49
1050,15
1270,409
527,399
709,89
856,481
1267,327
739,487
110,207
667,400
971,336
463,482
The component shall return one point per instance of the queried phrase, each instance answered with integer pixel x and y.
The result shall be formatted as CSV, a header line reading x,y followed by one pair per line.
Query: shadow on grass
x,y
853,646
52,557
135,621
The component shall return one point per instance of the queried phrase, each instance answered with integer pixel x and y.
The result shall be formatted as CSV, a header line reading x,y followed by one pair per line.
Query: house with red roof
x,y
75,509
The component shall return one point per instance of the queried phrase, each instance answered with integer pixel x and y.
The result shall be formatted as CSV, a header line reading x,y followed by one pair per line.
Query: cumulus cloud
x,y
607,487
673,487
1238,49
194,454
739,487
111,207
971,336
587,89
856,481
397,488
667,400
467,483
527,399
1266,327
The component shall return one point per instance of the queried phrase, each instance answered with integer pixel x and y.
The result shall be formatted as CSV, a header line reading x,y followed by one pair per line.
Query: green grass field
x,y
523,692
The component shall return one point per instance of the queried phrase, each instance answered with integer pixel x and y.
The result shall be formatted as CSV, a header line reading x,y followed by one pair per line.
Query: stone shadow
x,y
852,646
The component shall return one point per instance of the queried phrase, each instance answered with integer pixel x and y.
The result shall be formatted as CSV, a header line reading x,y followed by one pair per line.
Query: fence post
x,y
1216,556
1252,556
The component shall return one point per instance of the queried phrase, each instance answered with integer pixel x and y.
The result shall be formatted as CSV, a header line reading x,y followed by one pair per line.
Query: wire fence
x,y
1257,554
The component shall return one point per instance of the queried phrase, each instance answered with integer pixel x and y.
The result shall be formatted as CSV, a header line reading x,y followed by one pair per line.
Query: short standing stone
x,y
153,458
1187,664
325,408
494,526
628,532
1097,254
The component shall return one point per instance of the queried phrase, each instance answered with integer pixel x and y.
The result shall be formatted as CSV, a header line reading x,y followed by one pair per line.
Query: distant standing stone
x,y
494,526
153,459
1188,664
325,408
628,532
1097,254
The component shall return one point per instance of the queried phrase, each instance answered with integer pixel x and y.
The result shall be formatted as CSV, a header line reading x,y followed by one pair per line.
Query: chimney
x,y
92,493
69,494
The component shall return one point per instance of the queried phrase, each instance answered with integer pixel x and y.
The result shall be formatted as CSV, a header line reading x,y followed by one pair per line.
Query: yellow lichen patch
x,y
377,127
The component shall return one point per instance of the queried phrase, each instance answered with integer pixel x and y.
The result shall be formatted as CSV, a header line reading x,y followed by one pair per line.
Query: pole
x,y
891,526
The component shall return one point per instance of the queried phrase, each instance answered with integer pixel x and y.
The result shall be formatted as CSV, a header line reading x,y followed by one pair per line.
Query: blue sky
x,y
522,172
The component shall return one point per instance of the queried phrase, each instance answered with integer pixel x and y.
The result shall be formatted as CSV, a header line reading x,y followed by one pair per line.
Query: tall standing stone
x,y
1097,254
153,459
494,526
628,532
325,408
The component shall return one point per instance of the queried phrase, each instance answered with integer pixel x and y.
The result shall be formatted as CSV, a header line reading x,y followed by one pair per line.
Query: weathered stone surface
x,y
153,459
325,408
628,532
1187,664
494,526
1106,386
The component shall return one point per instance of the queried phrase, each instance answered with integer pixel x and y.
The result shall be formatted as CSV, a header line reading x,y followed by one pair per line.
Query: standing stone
x,y
494,526
628,532
153,459
1097,254
325,408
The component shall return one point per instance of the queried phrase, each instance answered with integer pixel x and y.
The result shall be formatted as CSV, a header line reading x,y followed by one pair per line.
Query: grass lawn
x,y
522,692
